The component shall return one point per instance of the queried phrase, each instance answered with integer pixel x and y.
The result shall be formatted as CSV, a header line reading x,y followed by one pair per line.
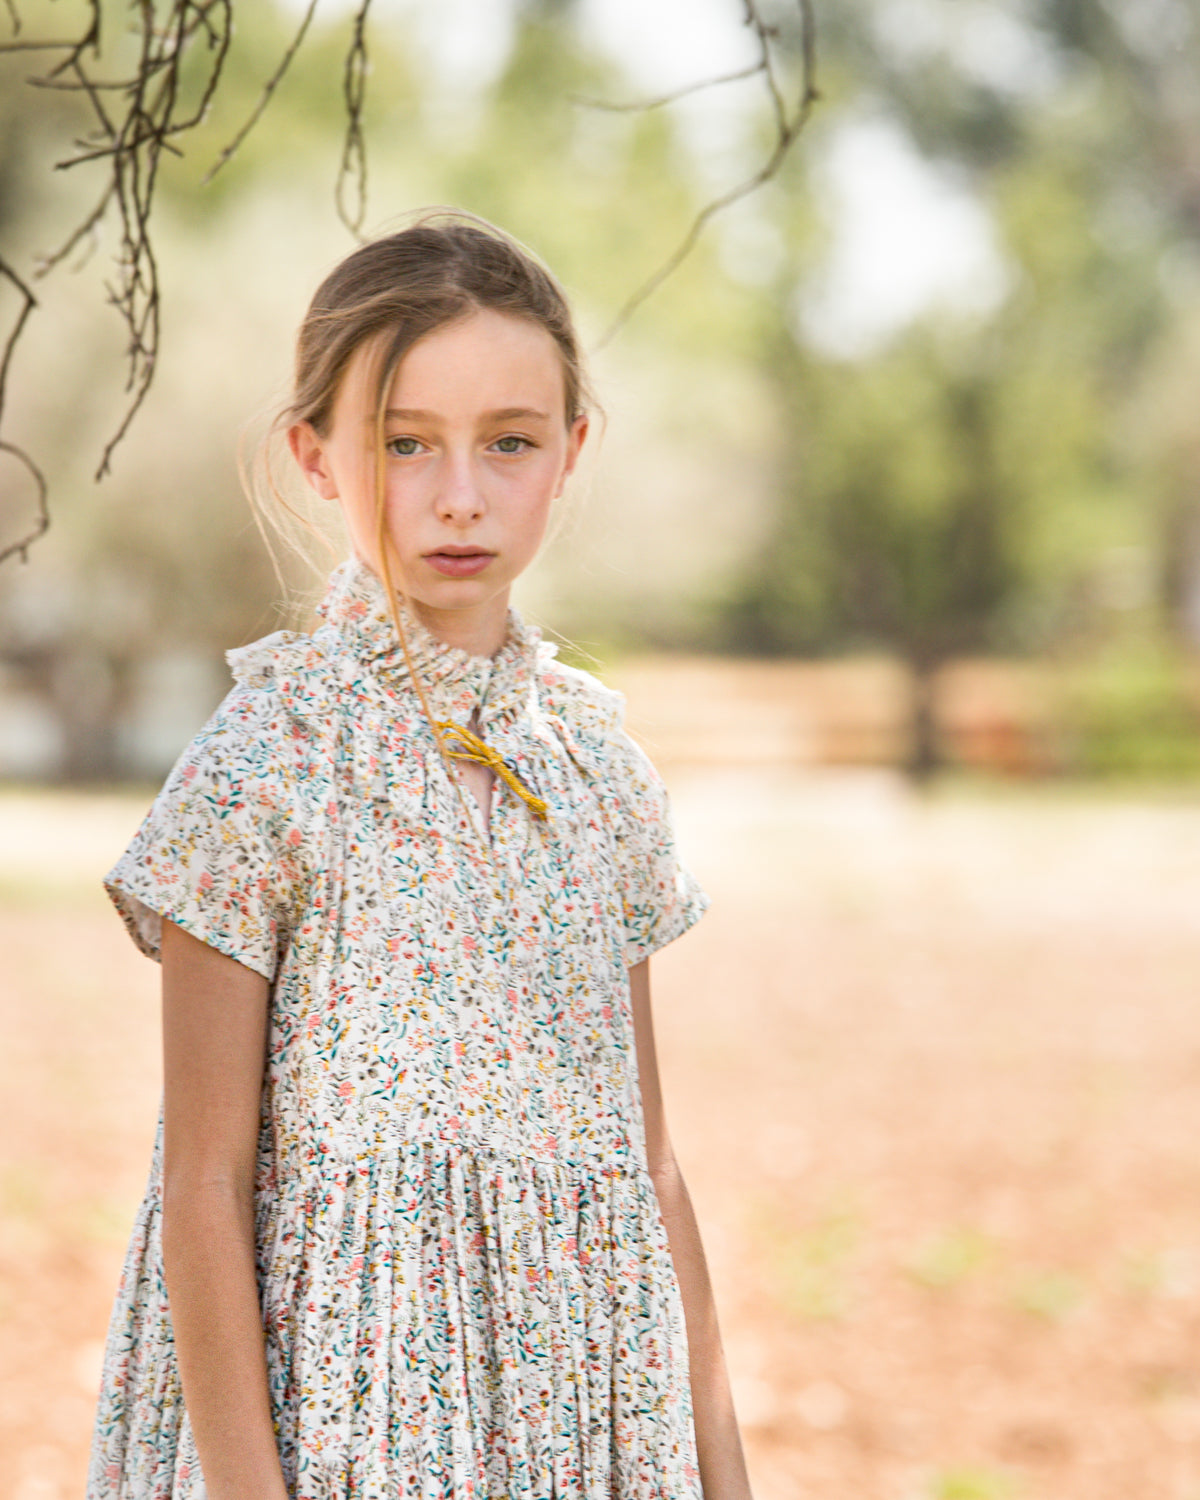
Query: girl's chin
x,y
461,597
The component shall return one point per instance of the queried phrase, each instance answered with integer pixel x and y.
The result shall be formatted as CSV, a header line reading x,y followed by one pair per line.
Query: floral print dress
x,y
465,1279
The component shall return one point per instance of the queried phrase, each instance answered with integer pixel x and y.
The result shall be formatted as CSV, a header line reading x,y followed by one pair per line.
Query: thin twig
x,y
264,98
107,127
41,521
787,126
89,41
352,169
219,40
28,303
41,516
97,85
14,16
766,35
147,135
808,52
46,263
37,47
642,106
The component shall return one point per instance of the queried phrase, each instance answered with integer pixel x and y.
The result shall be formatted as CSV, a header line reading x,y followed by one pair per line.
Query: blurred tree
x,y
153,84
1104,96
136,572
899,529
953,490
164,557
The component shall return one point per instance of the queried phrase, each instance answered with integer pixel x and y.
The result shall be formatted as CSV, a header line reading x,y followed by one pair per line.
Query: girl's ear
x,y
575,440
309,452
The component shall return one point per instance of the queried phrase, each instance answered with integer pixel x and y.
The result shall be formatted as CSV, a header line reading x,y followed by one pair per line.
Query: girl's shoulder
x,y
293,669
589,716
275,720
571,694
660,897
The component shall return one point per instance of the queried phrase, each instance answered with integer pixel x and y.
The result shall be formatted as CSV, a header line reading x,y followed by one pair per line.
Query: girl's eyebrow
x,y
504,414
516,414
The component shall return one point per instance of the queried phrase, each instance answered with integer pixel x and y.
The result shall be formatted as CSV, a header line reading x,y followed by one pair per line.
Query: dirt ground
x,y
933,1068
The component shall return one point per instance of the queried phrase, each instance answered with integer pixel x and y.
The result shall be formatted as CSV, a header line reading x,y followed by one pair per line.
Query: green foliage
x,y
1050,1295
958,489
1133,709
604,197
903,526
951,1259
972,1484
166,553
1169,1273
962,488
953,492
812,1264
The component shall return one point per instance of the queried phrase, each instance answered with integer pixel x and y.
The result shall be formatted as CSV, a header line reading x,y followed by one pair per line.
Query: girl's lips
x,y
459,564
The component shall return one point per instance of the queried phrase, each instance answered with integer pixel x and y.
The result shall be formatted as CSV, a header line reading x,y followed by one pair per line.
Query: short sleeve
x,y
661,898
220,852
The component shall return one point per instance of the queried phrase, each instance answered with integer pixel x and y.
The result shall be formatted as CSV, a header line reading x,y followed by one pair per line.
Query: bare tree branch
x,y
132,138
352,170
85,228
177,39
642,106
788,125
218,37
33,46
140,114
268,91
28,303
89,40
41,522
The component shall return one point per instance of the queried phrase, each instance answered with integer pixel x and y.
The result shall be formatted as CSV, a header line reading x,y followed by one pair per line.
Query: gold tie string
x,y
476,750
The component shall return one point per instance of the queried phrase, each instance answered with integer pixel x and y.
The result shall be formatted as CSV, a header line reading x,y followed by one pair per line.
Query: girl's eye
x,y
512,444
403,447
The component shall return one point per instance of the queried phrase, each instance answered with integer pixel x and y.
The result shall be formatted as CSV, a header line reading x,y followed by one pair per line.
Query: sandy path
x,y
932,1070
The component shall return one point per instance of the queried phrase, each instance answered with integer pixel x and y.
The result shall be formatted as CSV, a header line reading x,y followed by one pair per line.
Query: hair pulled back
x,y
393,291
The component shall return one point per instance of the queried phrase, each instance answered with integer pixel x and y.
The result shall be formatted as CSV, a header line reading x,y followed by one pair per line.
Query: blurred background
x,y
893,541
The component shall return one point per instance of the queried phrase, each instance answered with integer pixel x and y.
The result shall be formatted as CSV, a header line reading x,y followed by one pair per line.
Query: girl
x,y
414,1227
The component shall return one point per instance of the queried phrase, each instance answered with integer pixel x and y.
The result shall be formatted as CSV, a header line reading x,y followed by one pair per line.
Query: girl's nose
x,y
460,500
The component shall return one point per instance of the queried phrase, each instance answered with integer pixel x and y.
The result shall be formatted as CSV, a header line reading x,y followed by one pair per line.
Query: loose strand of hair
x,y
385,567
279,522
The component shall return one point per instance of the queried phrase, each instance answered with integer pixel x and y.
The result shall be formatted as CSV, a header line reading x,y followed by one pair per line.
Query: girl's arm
x,y
214,1044
722,1465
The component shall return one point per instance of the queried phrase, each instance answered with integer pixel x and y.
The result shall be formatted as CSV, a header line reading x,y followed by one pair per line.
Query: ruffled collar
x,y
458,684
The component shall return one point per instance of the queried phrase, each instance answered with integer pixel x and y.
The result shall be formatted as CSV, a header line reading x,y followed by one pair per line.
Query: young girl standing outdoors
x,y
414,1227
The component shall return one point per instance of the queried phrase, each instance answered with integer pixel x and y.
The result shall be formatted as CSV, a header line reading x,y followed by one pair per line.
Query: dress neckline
x,y
460,685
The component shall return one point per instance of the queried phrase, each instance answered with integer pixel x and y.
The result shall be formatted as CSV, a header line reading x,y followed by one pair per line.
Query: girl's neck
x,y
480,630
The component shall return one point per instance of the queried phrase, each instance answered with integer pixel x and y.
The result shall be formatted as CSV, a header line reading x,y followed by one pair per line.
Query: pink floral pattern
x,y
465,1279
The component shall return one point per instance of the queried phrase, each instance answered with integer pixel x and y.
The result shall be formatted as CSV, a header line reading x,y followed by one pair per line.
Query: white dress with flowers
x,y
465,1279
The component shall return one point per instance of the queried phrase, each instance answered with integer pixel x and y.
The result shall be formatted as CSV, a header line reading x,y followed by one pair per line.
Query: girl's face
x,y
477,446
